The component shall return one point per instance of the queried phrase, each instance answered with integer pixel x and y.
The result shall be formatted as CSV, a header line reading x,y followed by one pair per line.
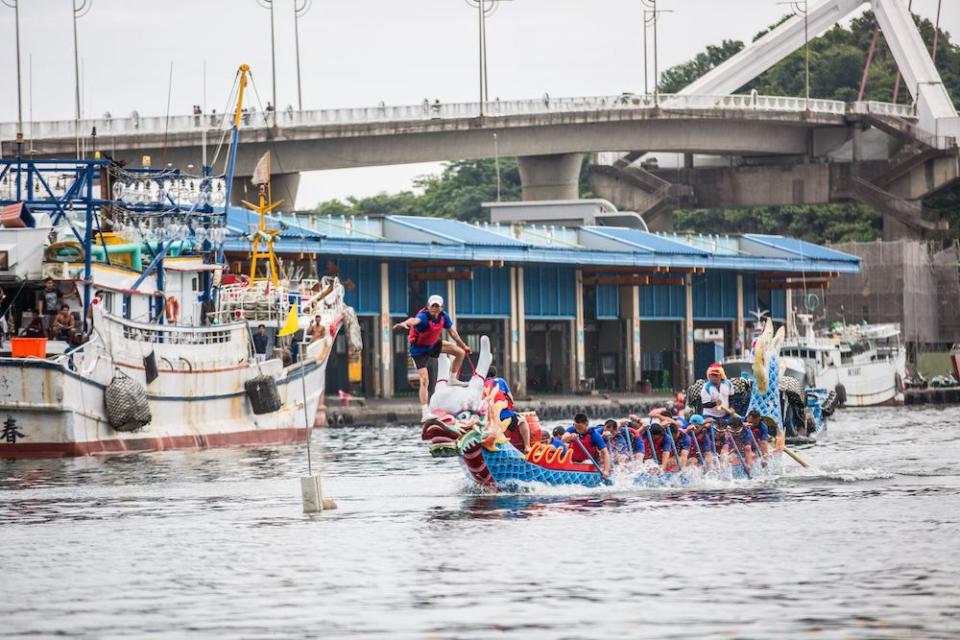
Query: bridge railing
x,y
214,123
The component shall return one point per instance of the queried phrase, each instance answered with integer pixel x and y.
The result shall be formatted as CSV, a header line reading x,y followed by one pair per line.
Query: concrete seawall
x,y
552,407
949,395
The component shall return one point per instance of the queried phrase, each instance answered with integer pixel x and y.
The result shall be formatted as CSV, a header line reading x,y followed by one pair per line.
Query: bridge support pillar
x,y
630,315
518,335
551,177
283,185
688,355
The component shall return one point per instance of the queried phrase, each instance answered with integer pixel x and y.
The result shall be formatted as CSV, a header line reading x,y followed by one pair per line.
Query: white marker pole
x,y
310,489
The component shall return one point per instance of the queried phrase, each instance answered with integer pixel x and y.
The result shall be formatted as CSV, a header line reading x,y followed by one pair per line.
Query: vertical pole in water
x,y
310,488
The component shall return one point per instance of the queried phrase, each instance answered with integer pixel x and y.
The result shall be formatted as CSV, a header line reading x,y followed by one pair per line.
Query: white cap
x,y
435,299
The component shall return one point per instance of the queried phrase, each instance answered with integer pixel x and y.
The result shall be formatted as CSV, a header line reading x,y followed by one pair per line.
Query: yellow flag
x,y
291,324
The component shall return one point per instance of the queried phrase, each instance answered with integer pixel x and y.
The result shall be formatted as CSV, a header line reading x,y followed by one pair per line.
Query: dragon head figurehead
x,y
466,420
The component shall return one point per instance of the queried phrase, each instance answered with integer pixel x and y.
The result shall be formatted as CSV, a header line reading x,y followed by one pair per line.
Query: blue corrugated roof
x,y
239,220
801,248
648,241
459,232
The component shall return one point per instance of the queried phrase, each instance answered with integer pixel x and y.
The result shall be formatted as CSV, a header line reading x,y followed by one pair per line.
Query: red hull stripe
x,y
160,443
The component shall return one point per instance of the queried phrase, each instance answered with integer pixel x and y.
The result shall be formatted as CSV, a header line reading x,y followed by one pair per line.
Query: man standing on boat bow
x,y
425,334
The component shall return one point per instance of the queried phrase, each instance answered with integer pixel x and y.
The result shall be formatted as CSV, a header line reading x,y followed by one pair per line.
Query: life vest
x,y
516,439
587,442
431,335
659,442
756,434
702,439
622,445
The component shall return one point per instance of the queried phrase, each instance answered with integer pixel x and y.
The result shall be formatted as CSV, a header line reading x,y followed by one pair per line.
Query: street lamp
x,y
268,4
15,5
651,15
80,9
300,9
485,9
795,4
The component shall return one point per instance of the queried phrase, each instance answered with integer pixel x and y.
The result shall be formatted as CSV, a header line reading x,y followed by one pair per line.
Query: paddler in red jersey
x,y
425,335
497,390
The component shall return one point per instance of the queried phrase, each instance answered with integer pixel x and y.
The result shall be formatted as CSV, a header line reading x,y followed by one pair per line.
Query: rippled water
x,y
213,543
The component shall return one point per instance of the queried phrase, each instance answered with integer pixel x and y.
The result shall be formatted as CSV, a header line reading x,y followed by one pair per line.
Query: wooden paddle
x,y
790,452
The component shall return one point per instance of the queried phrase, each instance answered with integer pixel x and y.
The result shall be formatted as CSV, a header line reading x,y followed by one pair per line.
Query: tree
x,y
679,76
459,191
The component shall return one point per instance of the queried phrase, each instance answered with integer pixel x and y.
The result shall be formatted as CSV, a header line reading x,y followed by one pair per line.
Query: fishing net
x,y
126,404
351,326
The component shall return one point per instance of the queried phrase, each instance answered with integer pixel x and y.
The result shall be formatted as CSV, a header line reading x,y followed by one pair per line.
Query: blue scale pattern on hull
x,y
508,465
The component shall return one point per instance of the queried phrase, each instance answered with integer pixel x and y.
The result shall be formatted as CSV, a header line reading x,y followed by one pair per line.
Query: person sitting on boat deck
x,y
557,439
517,429
716,392
624,441
48,304
695,440
260,340
425,335
587,442
64,325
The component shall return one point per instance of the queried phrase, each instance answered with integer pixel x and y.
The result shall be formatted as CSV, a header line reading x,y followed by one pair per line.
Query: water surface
x,y
213,543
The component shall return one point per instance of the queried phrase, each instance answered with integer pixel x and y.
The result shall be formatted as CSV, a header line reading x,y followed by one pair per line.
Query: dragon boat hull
x,y
499,466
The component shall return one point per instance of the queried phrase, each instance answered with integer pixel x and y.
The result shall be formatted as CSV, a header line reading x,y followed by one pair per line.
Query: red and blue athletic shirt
x,y
619,443
703,438
661,443
427,332
592,440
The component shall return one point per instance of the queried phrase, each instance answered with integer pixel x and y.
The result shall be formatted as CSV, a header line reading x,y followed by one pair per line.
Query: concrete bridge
x,y
737,150
771,150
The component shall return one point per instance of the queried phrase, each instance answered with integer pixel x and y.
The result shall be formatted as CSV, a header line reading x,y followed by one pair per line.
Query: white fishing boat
x,y
161,354
864,364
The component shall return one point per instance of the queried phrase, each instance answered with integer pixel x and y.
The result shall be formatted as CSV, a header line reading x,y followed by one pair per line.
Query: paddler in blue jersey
x,y
695,441
425,335
587,442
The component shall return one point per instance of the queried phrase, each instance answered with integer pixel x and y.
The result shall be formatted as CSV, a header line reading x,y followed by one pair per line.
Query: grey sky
x,y
355,53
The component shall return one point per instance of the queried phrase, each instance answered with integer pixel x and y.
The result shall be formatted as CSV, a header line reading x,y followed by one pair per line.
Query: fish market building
x,y
569,305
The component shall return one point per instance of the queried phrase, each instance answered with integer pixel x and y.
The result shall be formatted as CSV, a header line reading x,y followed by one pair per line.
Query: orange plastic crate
x,y
28,347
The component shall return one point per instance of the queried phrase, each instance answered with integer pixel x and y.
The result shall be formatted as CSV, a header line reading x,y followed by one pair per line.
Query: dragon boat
x,y
465,424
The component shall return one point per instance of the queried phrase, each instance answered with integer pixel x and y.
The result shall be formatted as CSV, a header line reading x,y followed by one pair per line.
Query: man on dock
x,y
425,335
